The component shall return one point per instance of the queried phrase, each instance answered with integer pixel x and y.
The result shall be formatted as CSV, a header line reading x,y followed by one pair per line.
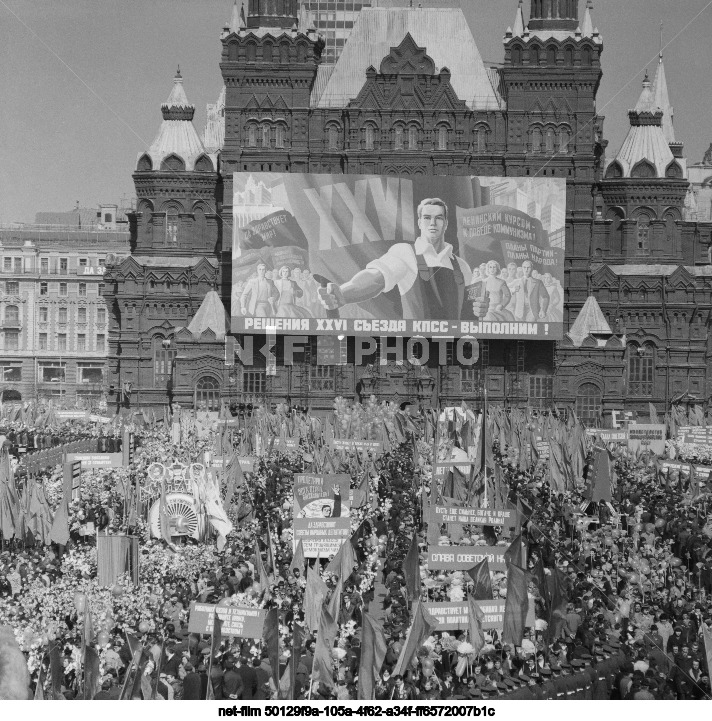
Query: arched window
x,y
644,169
267,52
550,137
144,163
589,402
643,234
265,135
641,370
673,171
333,137
412,138
568,55
172,227
284,53
564,137
252,136
517,55
586,56
442,138
551,55
203,165
369,137
207,394
481,139
534,55
536,140
232,51
398,140
12,315
614,170
279,136
251,52
173,163
163,359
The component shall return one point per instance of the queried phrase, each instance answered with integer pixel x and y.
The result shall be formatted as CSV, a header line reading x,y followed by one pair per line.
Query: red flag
x,y
474,625
600,482
270,638
314,595
164,517
514,553
326,636
373,653
343,562
411,569
298,560
92,677
422,626
480,574
334,604
516,605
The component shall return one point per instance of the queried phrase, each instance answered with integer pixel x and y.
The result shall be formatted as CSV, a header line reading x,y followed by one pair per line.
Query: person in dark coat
x,y
232,681
262,680
249,679
192,684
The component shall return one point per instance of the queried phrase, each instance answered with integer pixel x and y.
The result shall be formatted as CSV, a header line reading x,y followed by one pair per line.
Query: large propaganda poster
x,y
322,510
368,254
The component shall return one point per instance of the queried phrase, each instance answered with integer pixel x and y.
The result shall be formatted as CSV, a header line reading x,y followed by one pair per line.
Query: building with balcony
x,y
53,317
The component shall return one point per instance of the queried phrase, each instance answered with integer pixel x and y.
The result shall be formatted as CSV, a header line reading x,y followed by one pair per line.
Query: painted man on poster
x,y
430,278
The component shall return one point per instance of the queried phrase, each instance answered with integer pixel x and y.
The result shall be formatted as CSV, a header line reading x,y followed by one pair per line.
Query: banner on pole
x,y
441,513
647,437
97,460
242,621
322,508
461,558
455,616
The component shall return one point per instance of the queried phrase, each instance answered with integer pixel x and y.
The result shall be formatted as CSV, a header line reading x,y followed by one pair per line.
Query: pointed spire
x,y
660,94
235,18
177,103
518,29
646,102
589,321
587,26
243,19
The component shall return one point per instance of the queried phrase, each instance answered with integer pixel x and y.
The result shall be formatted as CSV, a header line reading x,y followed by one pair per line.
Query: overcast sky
x,y
82,82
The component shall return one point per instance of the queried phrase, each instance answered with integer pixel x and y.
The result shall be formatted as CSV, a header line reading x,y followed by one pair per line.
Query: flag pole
x,y
209,693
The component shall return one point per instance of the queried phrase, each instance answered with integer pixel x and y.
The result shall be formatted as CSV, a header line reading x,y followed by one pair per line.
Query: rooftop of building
x,y
443,32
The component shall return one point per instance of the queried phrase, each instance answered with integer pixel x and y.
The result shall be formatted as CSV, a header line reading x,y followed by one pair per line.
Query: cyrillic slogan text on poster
x,y
322,508
431,256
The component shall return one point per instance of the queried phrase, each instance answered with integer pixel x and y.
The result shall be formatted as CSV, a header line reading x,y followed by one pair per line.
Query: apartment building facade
x,y
53,318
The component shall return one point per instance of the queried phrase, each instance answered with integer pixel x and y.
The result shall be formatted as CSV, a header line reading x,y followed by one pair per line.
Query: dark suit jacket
x,y
537,297
249,681
192,687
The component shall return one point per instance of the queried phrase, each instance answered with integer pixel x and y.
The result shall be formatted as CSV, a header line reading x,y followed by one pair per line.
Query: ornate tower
x,y
176,181
554,15
175,237
645,184
272,13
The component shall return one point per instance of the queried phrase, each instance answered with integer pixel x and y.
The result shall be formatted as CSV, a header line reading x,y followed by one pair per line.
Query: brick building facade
x,y
409,94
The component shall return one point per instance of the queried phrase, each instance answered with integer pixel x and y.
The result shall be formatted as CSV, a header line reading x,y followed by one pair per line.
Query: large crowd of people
x,y
619,592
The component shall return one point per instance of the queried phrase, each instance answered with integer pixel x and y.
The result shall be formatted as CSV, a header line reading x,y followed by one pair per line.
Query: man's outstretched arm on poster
x,y
366,284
